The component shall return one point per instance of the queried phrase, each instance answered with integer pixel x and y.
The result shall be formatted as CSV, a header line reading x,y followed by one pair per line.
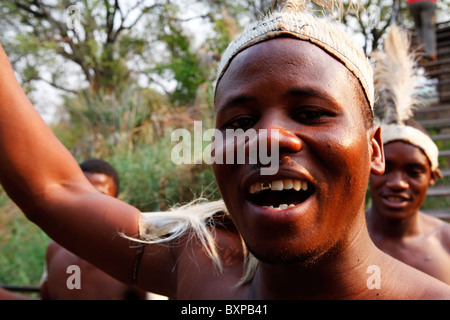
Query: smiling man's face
x,y
401,190
325,147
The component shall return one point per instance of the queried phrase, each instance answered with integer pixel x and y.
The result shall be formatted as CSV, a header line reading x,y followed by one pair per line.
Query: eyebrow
x,y
292,92
311,92
236,100
409,164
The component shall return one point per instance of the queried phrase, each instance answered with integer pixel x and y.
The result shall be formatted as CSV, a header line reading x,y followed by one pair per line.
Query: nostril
x,y
277,139
396,180
289,141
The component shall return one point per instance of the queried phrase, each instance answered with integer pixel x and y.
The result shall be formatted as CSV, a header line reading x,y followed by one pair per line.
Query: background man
x,y
94,283
395,222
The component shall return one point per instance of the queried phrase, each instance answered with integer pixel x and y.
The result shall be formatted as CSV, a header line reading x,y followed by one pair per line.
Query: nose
x,y
272,143
397,181
263,144
278,133
283,140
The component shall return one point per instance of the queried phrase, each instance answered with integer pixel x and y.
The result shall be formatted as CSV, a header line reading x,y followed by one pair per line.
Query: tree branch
x,y
53,84
122,26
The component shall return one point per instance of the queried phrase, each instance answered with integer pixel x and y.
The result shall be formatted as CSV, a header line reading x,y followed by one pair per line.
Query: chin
x,y
303,258
398,214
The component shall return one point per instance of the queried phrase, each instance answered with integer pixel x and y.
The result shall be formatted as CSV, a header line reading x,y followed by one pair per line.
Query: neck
x,y
393,229
341,274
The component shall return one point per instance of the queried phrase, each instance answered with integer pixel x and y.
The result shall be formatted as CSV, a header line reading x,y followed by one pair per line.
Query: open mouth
x,y
395,200
280,194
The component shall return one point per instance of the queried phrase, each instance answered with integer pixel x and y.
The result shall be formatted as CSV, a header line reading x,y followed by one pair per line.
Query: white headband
x,y
411,135
326,35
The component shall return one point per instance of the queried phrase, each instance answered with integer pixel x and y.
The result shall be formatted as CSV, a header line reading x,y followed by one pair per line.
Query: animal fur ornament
x,y
395,78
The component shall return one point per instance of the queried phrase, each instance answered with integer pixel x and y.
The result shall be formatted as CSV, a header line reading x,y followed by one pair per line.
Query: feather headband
x,y
293,21
395,79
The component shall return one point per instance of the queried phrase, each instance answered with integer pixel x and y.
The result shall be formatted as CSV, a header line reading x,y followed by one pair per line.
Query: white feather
x,y
395,77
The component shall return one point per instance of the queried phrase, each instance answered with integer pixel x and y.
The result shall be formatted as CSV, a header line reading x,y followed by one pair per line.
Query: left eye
x,y
414,173
242,123
311,116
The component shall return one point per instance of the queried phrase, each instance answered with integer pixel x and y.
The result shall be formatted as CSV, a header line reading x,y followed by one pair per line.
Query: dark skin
x,y
8,295
95,284
396,224
341,249
103,183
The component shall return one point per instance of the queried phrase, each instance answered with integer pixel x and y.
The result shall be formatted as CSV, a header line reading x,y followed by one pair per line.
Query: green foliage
x,y
152,182
23,246
182,62
113,119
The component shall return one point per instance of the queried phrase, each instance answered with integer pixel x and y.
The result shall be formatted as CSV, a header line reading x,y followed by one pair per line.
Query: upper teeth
x,y
279,185
395,199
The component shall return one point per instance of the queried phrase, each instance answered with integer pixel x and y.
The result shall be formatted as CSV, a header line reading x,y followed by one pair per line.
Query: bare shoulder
x,y
443,233
52,248
413,284
400,281
437,228
430,222
434,226
431,288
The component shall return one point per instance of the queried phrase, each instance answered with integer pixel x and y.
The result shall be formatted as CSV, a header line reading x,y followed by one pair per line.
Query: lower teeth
x,y
281,207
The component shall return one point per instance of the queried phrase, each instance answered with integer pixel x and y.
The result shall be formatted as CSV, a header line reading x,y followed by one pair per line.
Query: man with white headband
x,y
299,234
395,222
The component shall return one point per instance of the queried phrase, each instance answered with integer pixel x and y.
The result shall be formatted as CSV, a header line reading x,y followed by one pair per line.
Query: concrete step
x,y
443,83
438,72
440,137
437,117
443,51
443,43
444,153
442,35
444,96
440,62
438,191
435,123
438,109
443,214
445,172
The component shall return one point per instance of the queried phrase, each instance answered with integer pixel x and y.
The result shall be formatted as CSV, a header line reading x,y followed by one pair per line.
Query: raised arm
x,y
46,182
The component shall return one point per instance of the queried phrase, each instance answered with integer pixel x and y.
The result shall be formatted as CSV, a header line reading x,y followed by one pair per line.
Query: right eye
x,y
243,123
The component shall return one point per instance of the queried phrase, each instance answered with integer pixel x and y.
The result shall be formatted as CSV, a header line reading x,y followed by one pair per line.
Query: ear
x,y
376,150
434,176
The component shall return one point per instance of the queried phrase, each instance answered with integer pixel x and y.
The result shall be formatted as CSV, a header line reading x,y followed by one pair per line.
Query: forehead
x,y
96,178
286,63
403,152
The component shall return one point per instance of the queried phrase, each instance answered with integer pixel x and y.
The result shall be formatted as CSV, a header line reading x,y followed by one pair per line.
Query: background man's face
x,y
102,182
402,189
311,98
